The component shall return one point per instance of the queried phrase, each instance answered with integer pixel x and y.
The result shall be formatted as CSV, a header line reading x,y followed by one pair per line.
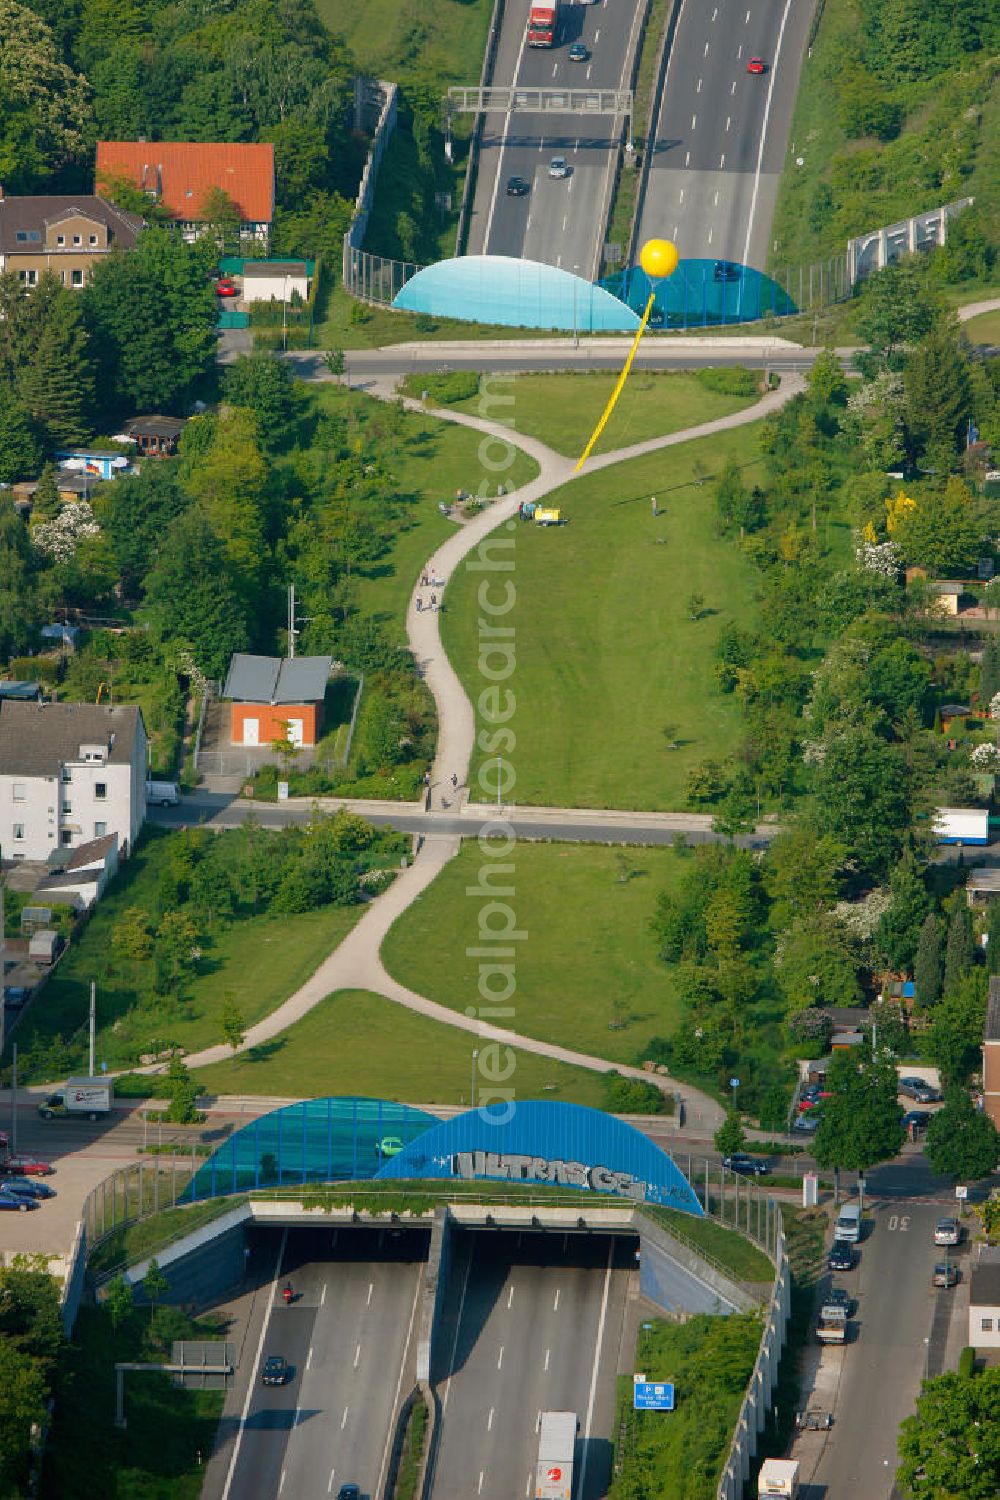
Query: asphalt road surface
x,y
886,1361
532,1323
721,133
345,1336
559,222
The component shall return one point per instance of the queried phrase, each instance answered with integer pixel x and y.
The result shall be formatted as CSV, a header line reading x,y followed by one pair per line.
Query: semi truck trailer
x,y
556,1442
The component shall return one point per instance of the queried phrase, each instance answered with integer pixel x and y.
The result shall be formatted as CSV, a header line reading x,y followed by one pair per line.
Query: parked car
x,y
756,65
517,187
841,1258
349,1492
19,1202
28,1186
16,994
276,1370
919,1089
839,1296
27,1166
579,52
806,1124
917,1119
226,287
558,167
945,1274
751,1166
947,1232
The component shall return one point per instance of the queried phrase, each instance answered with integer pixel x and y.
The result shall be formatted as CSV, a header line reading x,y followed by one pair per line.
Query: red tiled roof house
x,y
181,175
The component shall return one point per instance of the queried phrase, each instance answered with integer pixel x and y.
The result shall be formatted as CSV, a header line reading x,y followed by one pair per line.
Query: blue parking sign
x,y
652,1395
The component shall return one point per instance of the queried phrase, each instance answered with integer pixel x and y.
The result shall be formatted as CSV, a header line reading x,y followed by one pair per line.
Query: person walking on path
x,y
655,509
420,604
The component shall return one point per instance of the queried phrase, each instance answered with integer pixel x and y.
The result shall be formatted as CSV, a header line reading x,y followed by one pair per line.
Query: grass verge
x,y
729,1248
607,654
132,1242
413,1450
354,1042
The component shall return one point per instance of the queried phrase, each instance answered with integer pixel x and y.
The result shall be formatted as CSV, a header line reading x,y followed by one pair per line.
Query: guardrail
x,y
486,74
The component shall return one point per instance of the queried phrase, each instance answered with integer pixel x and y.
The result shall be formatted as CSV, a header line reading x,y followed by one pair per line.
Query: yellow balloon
x,y
658,258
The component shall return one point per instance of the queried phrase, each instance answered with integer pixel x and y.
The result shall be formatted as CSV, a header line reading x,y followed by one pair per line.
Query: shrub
x,y
726,381
967,1362
634,1096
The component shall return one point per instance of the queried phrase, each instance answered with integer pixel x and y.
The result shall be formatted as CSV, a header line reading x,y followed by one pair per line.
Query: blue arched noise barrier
x,y
546,1143
515,293
703,294
320,1140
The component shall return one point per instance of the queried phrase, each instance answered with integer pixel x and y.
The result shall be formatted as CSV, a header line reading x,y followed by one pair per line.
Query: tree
x,y
942,531
44,118
334,360
861,797
927,964
20,442
118,1300
222,219
960,949
803,872
175,951
817,966
45,503
862,1123
954,1041
193,596
898,306
730,1136
183,1092
154,1284
899,930
20,597
23,1393
228,476
938,395
136,512
993,938
951,1447
57,387
233,1022
826,381
265,384
989,664
962,1141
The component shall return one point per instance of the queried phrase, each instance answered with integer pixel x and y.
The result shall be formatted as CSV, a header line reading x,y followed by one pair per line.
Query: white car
x,y
947,1232
558,167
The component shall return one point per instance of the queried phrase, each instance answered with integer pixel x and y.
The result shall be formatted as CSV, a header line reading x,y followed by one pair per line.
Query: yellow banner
x,y
618,388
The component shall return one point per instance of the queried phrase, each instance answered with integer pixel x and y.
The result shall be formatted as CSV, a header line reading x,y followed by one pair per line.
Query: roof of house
x,y
273,679
95,851
179,174
952,710
984,1284
948,586
24,691
37,738
34,213
992,1030
274,268
984,880
155,426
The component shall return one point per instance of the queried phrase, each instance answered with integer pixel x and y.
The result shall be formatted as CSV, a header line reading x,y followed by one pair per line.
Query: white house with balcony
x,y
69,773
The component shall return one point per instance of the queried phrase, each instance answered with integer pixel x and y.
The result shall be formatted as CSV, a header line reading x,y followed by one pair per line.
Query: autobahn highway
x,y
559,222
345,1336
720,137
533,1323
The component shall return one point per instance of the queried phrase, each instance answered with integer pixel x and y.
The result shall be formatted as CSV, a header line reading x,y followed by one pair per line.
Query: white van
x,y
163,793
848,1225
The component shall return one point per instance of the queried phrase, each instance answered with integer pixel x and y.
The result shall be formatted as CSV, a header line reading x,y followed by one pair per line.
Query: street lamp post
x,y
475,1055
734,1084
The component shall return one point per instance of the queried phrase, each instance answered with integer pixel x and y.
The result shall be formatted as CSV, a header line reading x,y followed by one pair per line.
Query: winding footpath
x,y
356,964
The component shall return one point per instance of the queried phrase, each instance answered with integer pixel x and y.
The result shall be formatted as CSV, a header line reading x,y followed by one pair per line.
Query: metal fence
x,y
386,94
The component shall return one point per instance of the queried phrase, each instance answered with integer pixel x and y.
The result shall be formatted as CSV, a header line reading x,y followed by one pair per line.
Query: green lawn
x,y
441,38
589,958
358,1043
606,654
732,1250
260,961
983,330
436,458
563,410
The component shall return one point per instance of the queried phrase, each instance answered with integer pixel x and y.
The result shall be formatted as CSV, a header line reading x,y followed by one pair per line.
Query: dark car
x,y
26,1166
841,1258
349,1492
276,1370
21,1202
919,1089
839,1296
751,1166
756,65
517,187
727,270
579,52
28,1186
917,1119
945,1274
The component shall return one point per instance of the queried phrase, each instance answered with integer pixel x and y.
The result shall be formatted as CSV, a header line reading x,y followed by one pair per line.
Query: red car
x,y
226,287
26,1166
756,65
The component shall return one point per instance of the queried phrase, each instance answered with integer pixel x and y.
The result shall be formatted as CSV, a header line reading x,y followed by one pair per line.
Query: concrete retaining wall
x,y
677,1279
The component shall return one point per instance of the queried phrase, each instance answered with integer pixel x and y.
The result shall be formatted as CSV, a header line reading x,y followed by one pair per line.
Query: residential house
x,y
63,234
79,879
181,175
154,436
991,1053
984,1301
264,280
272,697
982,886
69,773
949,595
99,463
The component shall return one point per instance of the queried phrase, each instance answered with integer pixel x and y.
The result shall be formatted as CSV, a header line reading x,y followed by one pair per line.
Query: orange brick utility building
x,y
991,1053
271,696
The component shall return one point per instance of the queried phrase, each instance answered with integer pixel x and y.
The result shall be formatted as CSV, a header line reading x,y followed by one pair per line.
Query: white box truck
x,y
89,1097
556,1441
162,793
779,1477
962,825
832,1325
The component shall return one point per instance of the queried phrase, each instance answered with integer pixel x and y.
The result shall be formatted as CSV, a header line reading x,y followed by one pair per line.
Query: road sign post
x,y
652,1395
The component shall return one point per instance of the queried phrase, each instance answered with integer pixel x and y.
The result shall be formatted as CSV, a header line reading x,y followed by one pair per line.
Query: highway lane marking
x,y
733,89
747,21
281,1482
480,1489
729,121
706,50
500,1358
399,1379
763,130
597,36
371,1288
549,1351
322,1295
309,1357
675,231
503,146
329,1488
489,1420
593,1373
343,1420
682,196
715,13
295,1419
565,219
694,121
717,197
698,89
554,68
722,161
251,1388
555,1305
739,53
588,72
710,233
687,158
357,1356
527,1487
510,1298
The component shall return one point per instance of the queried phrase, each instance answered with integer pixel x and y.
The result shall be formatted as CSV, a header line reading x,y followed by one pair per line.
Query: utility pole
x,y
93,1027
291,621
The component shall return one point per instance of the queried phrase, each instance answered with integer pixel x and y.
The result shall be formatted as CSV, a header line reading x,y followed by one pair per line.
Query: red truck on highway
x,y
543,23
